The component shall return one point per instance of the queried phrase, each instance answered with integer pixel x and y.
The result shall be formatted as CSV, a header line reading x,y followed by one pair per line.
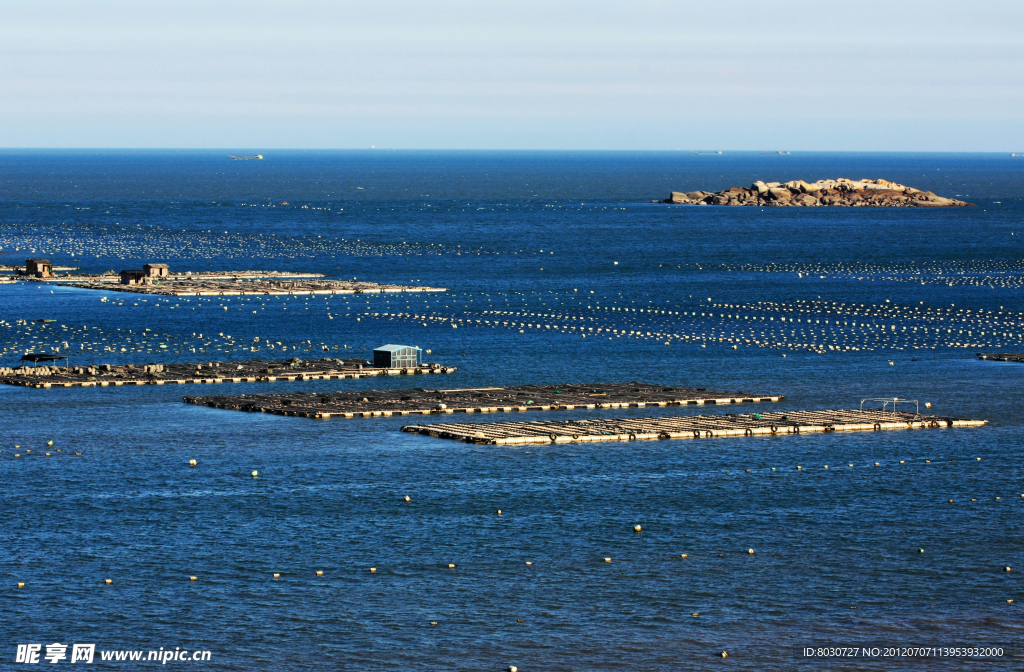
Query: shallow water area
x,y
558,269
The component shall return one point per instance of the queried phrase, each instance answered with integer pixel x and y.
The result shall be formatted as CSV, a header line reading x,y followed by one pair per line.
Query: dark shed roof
x,y
34,357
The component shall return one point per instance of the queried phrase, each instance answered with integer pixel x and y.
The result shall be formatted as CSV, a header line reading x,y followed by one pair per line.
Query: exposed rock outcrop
x,y
841,192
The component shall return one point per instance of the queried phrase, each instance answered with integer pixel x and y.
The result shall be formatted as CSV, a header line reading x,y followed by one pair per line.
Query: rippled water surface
x,y
823,305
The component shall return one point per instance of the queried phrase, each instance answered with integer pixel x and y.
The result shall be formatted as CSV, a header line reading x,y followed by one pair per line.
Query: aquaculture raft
x,y
685,427
1003,356
250,371
251,284
378,403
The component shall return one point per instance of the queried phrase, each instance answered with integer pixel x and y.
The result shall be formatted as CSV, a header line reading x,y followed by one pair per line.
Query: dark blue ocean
x,y
826,306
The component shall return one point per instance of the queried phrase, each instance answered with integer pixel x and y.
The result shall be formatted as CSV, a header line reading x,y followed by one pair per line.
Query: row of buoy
x,y
124,245
799,467
851,465
452,565
637,527
815,310
787,338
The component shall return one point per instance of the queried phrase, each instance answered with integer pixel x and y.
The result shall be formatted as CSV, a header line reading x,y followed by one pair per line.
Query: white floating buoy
x,y
529,562
373,570
192,578
408,498
607,559
499,512
451,565
513,668
192,463
255,474
49,443
636,528
319,572
750,551
277,576
107,581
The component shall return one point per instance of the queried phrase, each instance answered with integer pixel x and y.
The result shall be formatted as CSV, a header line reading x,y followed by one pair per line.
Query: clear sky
x,y
857,75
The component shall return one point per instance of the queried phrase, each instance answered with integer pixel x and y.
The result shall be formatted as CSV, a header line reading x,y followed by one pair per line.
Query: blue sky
x,y
731,75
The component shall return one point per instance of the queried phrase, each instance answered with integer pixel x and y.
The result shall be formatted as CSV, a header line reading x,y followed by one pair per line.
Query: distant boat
x,y
258,157
1017,154
707,153
780,152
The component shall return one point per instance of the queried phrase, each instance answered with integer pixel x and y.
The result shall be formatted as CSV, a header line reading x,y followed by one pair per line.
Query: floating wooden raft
x,y
377,403
250,371
1002,356
685,427
198,286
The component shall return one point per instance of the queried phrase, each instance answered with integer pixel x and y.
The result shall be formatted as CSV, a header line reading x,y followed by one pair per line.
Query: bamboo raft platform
x,y
385,403
250,371
685,427
1002,356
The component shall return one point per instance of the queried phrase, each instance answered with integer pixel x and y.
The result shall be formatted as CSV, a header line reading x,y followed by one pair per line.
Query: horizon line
x,y
694,150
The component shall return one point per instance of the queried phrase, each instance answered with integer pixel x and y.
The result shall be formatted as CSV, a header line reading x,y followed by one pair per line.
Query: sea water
x,y
558,268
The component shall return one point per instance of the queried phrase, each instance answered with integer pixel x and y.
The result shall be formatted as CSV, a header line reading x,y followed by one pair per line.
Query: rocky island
x,y
842,192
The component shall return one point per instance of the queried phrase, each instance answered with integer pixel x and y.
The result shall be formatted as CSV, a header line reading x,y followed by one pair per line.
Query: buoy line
x,y
810,326
346,573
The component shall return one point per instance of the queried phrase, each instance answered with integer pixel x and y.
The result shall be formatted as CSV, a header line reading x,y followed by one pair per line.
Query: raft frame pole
x,y
885,401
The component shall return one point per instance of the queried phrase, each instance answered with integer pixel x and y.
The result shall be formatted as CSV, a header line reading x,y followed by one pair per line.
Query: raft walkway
x,y
250,371
685,427
386,403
